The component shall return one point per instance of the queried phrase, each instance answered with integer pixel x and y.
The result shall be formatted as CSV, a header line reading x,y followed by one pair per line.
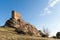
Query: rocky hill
x,y
20,25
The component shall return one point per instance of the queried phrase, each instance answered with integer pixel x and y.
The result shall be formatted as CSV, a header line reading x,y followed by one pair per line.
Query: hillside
x,y
10,34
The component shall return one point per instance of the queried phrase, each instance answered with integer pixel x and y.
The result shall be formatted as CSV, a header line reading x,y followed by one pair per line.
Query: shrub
x,y
44,35
53,37
58,35
45,32
20,31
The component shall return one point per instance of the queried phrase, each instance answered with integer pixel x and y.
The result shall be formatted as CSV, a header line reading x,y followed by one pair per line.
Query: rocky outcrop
x,y
21,26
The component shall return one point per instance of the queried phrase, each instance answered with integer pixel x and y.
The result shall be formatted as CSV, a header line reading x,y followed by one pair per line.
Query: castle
x,y
17,22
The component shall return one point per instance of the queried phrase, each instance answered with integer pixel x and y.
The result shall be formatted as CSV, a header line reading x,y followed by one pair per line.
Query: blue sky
x,y
41,13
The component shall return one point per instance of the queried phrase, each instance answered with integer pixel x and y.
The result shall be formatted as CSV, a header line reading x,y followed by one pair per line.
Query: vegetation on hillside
x,y
8,33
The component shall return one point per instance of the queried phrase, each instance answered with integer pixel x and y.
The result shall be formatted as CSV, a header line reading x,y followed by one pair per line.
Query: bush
x,y
53,37
44,35
20,31
58,35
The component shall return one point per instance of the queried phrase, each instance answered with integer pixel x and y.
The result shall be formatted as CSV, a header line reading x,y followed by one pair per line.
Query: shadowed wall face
x,y
16,15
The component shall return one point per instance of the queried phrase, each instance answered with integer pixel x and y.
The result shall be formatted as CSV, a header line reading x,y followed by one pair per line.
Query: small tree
x,y
45,32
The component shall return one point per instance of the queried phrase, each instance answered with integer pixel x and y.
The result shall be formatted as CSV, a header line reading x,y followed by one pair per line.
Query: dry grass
x,y
10,34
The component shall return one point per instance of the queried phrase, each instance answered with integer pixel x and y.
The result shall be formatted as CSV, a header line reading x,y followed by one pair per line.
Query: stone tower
x,y
16,15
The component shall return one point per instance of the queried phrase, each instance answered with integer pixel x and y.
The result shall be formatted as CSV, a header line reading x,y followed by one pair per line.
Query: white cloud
x,y
50,1
47,10
53,3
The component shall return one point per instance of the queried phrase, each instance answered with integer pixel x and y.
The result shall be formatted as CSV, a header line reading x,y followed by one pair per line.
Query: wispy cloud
x,y
47,10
